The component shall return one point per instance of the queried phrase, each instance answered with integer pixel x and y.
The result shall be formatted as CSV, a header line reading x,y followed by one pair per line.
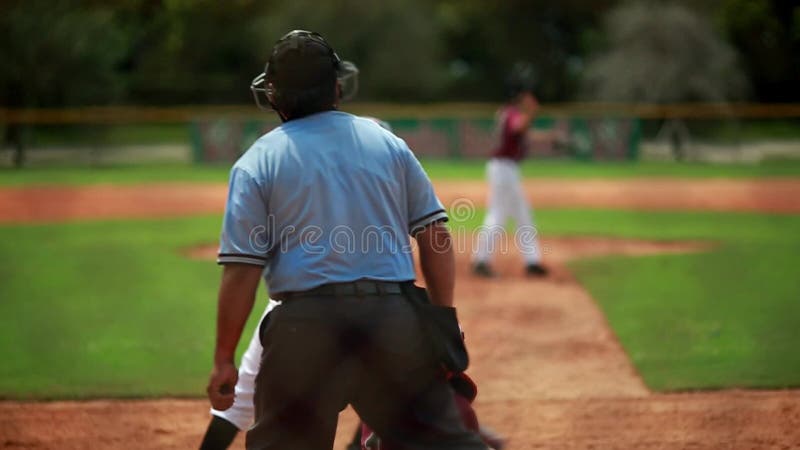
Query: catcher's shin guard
x,y
219,435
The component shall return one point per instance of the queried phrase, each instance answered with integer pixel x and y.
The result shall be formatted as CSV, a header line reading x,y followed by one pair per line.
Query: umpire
x,y
323,207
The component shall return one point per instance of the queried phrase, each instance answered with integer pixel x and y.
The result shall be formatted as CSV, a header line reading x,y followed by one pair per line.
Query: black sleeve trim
x,y
426,216
422,226
250,263
241,255
240,258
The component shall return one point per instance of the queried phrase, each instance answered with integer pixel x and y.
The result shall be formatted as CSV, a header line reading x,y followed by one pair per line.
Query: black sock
x,y
219,435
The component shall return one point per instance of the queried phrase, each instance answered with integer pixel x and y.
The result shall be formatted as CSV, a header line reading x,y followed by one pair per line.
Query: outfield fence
x,y
586,131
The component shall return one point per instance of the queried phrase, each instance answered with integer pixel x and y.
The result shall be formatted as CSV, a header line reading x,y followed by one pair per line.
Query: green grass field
x,y
726,318
437,169
102,309
106,309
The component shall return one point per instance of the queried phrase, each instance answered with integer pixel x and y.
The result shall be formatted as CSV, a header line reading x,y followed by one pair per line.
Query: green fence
x,y
575,137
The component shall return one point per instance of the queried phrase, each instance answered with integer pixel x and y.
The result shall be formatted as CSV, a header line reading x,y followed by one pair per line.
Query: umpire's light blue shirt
x,y
327,198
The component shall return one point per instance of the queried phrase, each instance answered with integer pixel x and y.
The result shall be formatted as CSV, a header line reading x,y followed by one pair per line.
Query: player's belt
x,y
352,289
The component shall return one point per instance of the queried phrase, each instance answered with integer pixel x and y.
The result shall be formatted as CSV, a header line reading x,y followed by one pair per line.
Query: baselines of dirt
x,y
63,203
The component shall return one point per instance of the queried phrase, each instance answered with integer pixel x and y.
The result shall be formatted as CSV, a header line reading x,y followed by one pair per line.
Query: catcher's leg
x,y
219,434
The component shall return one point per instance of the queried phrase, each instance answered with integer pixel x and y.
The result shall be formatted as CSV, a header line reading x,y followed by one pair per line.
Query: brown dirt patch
x,y
773,196
714,420
68,203
71,203
546,338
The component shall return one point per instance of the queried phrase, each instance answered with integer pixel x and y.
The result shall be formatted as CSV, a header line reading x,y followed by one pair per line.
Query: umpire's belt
x,y
352,289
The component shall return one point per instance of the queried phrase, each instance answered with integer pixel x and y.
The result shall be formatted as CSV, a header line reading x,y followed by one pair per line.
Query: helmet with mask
x,y
304,75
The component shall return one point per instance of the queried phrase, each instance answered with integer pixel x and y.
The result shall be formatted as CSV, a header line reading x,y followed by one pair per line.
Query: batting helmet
x,y
302,70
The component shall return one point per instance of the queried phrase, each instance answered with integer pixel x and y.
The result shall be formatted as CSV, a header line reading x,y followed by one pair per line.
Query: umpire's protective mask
x,y
301,61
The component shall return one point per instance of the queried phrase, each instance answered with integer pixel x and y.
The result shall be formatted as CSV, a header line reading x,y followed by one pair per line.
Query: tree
x,y
662,53
208,51
484,39
56,53
767,33
195,51
395,43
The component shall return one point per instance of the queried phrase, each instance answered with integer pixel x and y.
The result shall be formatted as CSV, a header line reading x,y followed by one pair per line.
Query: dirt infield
x,y
65,203
714,420
650,194
70,203
550,371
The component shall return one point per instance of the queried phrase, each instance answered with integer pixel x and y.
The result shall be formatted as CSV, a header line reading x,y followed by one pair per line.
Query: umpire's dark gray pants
x,y
321,353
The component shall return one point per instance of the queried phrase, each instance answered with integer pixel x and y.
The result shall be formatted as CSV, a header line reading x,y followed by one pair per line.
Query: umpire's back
x,y
327,198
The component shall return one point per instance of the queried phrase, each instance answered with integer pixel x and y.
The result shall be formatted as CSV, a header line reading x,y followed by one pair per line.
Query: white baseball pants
x,y
506,201
242,413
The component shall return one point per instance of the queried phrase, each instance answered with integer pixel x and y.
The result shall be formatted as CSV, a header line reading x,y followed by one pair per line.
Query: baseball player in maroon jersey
x,y
506,196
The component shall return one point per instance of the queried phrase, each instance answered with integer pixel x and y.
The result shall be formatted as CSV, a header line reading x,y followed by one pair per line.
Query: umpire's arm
x,y
237,294
437,262
242,251
426,217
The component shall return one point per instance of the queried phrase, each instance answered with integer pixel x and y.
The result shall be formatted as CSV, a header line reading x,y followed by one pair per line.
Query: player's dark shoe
x,y
482,269
536,270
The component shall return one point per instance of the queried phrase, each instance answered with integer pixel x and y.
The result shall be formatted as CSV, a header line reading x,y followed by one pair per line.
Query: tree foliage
x,y
195,51
58,53
70,52
768,35
395,43
485,39
663,53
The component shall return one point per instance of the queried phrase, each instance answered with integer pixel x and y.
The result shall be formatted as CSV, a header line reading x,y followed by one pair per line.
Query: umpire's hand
x,y
221,385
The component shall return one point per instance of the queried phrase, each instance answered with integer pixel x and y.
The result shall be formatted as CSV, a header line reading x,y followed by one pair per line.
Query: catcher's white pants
x,y
506,201
242,413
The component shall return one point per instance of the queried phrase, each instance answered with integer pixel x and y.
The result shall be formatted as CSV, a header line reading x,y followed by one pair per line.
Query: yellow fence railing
x,y
149,114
